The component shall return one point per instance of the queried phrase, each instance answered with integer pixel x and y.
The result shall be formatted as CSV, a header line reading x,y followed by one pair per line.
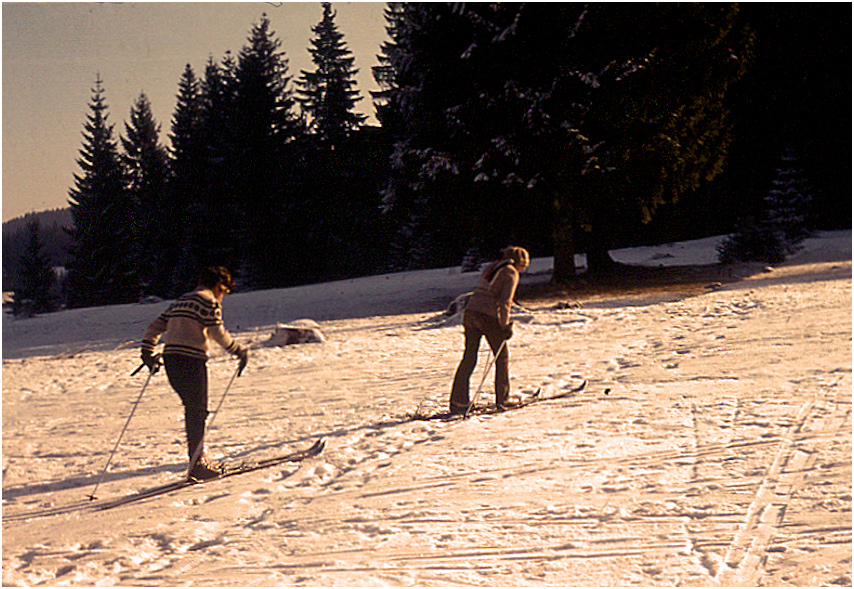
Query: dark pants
x,y
189,377
477,325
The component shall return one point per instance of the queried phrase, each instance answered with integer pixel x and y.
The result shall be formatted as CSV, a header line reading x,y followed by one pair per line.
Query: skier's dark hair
x,y
213,275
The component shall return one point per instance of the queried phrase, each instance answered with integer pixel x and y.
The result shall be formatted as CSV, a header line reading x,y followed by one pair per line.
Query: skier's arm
x,y
506,282
219,334
150,339
223,338
153,333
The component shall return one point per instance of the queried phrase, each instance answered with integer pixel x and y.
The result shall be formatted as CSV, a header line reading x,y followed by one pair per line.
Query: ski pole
x,y
482,380
199,448
116,447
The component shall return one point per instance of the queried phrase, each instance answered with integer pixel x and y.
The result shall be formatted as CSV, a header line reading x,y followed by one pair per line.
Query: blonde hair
x,y
519,255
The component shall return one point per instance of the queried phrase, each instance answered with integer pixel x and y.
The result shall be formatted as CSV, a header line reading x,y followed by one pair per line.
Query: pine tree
x,y
421,80
582,117
186,125
153,228
385,74
265,126
218,220
33,294
186,179
657,126
263,100
102,269
790,201
784,222
328,93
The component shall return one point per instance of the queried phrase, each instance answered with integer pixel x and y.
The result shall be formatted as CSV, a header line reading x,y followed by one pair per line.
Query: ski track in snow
x,y
720,457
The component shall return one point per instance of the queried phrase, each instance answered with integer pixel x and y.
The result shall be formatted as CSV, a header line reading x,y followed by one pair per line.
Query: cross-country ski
x,y
523,400
229,471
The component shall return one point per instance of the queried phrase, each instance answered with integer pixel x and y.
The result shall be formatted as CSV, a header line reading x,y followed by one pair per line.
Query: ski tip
x,y
320,445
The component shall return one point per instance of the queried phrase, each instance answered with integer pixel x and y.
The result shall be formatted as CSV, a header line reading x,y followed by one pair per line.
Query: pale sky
x,y
52,53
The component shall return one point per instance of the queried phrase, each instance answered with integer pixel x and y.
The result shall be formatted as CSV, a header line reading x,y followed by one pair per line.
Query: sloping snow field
x,y
721,455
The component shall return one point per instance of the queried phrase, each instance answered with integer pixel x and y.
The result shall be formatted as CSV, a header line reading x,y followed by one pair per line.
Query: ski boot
x,y
457,409
204,470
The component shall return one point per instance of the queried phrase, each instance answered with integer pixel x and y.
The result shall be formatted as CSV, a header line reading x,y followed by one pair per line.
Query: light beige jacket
x,y
495,291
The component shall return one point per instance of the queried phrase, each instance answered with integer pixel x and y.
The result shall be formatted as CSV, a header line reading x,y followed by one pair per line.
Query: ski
x,y
537,397
230,470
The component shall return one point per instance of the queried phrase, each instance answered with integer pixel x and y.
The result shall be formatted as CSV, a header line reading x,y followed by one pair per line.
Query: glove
x,y
507,331
151,361
243,354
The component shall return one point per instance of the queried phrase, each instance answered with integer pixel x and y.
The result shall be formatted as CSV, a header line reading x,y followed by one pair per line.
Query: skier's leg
x,y
460,392
194,421
495,337
189,378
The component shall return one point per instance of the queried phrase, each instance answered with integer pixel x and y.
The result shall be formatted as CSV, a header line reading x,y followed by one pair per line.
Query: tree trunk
x,y
599,261
598,242
564,253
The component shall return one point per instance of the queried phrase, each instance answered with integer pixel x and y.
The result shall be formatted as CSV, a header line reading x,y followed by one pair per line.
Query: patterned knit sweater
x,y
189,323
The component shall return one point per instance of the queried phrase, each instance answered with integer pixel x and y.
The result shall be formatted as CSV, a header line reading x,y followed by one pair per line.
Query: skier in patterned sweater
x,y
487,315
188,324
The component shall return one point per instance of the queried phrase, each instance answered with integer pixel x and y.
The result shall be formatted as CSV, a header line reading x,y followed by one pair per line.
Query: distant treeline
x,y
53,225
565,128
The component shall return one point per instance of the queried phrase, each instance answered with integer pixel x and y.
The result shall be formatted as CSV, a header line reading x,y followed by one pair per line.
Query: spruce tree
x,y
217,109
422,78
789,203
386,74
102,268
657,125
185,149
186,180
328,93
33,293
265,126
218,220
153,229
780,226
328,210
584,117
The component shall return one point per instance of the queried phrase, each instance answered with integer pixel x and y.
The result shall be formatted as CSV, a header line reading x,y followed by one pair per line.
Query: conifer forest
x,y
565,128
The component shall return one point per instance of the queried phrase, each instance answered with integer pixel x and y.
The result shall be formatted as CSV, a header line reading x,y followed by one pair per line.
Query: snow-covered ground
x,y
721,456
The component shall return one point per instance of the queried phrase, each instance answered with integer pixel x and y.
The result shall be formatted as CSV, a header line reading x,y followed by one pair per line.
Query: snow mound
x,y
301,331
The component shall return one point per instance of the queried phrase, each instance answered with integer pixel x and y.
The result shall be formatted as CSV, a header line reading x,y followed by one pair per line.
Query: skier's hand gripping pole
x,y
152,361
243,355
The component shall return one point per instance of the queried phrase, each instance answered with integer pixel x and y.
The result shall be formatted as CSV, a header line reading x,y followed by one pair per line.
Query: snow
x,y
720,457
